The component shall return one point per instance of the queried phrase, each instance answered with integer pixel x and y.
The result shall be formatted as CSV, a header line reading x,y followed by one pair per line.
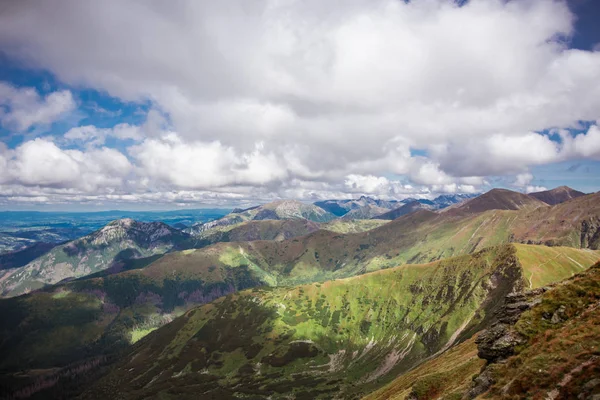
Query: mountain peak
x,y
500,199
557,195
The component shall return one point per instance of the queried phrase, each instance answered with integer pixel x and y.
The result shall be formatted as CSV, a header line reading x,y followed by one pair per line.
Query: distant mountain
x,y
119,240
255,230
277,210
446,200
342,207
500,199
405,209
365,212
557,195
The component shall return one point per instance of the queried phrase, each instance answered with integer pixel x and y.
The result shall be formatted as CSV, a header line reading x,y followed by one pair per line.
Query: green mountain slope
x,y
118,241
255,230
342,337
544,345
549,351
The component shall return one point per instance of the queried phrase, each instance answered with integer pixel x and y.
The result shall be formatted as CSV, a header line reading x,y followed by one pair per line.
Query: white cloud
x,y
533,189
92,136
204,165
272,98
523,180
22,108
41,163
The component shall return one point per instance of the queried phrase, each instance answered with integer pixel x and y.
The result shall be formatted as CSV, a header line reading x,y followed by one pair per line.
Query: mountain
x,y
446,200
339,338
335,339
342,207
499,199
341,225
277,210
255,230
557,195
345,207
95,316
89,318
119,240
365,212
403,210
23,257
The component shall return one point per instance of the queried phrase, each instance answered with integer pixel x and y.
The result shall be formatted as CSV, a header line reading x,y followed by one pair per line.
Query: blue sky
x,y
129,105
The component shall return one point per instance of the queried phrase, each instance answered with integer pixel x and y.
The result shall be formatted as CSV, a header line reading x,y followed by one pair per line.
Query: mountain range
x,y
289,301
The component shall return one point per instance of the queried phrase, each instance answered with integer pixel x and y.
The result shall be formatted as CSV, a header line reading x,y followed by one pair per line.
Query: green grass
x,y
543,265
346,336
137,334
565,351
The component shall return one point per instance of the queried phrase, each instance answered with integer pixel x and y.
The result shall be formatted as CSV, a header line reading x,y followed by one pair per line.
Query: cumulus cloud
x,y
271,98
22,108
41,163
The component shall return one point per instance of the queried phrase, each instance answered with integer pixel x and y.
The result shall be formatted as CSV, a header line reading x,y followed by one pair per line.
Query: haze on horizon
x,y
154,105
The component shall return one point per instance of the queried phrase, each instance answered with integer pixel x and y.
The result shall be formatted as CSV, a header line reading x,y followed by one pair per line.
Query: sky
x,y
150,104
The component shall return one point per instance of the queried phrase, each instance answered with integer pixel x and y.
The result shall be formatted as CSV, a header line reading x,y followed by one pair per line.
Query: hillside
x,y
403,210
342,337
499,199
88,318
119,240
255,230
365,212
549,351
557,195
342,207
341,225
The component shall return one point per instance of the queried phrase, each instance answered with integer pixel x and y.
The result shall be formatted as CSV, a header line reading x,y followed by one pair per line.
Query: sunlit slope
x,y
447,376
352,225
554,347
543,265
346,336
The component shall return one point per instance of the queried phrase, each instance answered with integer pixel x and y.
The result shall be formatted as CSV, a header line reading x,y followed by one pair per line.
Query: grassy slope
x,y
559,358
447,376
353,225
543,265
345,336
149,297
450,374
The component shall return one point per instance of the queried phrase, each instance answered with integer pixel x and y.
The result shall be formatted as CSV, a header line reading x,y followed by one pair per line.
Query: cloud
x,y
22,108
204,165
311,98
41,163
523,180
92,136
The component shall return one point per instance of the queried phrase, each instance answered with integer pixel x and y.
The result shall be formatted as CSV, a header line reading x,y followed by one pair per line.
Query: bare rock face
x,y
590,233
498,342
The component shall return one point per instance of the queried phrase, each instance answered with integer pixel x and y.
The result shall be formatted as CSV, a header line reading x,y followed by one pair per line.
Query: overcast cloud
x,y
253,100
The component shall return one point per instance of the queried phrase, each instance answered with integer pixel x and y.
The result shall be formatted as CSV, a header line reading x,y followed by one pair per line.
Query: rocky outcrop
x,y
499,341
590,233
